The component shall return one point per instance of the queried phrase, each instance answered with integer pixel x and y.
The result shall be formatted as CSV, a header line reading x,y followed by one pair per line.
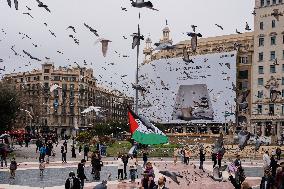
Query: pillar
x,y
278,134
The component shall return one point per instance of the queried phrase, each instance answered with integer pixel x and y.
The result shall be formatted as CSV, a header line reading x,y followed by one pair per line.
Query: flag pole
x,y
137,62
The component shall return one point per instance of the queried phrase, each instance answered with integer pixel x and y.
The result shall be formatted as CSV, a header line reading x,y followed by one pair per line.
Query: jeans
x,y
82,182
120,174
3,159
132,174
201,165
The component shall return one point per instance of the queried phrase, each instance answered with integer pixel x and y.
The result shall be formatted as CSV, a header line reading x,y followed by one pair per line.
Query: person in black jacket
x,y
96,164
72,182
147,182
202,158
267,181
273,165
242,185
81,172
125,158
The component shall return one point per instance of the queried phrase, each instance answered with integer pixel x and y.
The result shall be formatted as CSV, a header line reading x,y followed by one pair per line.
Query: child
x,y
120,168
13,168
41,168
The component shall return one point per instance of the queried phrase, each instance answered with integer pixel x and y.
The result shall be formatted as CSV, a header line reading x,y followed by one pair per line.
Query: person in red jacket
x,y
219,158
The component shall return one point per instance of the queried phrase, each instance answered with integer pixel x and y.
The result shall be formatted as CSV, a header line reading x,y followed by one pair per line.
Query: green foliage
x,y
9,106
84,136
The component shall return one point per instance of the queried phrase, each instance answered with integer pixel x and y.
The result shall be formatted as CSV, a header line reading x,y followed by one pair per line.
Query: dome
x,y
166,29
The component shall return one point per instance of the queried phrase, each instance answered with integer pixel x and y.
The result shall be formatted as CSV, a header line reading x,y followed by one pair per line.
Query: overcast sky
x,y
111,23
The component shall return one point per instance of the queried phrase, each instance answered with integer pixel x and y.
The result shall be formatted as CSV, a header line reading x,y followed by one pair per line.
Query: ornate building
x,y
243,43
268,68
60,109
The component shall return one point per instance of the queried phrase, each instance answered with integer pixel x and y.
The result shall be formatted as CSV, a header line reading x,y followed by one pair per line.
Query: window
x,y
243,74
244,85
262,3
261,25
273,2
259,109
272,69
272,55
71,109
46,70
65,78
46,78
260,81
260,57
282,93
259,94
282,107
271,109
283,39
73,79
282,81
46,85
71,121
71,86
273,23
261,41
267,2
243,60
64,86
56,78
273,40
260,70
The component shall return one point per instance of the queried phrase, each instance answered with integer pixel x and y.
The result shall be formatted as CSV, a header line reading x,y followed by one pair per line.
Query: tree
x,y
9,106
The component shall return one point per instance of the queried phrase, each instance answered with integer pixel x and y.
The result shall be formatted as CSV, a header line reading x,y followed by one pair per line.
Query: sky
x,y
111,23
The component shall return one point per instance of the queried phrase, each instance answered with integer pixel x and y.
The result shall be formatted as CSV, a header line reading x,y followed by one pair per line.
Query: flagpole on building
x,y
137,62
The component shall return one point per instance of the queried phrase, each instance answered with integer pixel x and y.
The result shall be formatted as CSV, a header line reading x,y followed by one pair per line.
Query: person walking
x,y
72,182
267,181
81,172
3,154
63,154
176,154
132,169
38,145
41,168
238,165
125,158
219,159
186,156
161,183
13,168
48,153
278,153
73,151
42,152
120,168
214,159
145,158
97,165
273,165
86,151
238,185
266,160
202,159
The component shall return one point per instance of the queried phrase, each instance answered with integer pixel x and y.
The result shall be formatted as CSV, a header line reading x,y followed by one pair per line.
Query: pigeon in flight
x,y
253,13
28,8
123,8
31,57
276,14
136,38
16,3
164,46
243,137
40,4
3,69
92,30
124,37
247,27
71,27
104,43
27,13
193,27
238,32
219,26
142,3
52,33
172,175
194,40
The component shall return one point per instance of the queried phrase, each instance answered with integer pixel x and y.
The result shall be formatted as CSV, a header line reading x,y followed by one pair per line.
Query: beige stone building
x,y
60,109
243,43
268,68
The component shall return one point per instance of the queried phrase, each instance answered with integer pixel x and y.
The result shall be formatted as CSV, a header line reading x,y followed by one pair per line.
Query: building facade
x,y
268,69
242,43
60,109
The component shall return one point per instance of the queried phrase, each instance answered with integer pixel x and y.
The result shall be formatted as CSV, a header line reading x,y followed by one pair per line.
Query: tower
x,y
148,50
166,36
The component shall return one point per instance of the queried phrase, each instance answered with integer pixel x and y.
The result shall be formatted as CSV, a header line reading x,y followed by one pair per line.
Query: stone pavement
x,y
27,176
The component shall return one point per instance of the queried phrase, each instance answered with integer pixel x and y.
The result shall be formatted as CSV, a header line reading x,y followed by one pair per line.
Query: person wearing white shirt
x,y
266,161
132,168
120,168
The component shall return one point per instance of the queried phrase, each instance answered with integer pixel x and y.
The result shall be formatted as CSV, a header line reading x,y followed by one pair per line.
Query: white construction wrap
x,y
182,92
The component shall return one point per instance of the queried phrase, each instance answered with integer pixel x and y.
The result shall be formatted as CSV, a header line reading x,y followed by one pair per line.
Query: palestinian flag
x,y
143,131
